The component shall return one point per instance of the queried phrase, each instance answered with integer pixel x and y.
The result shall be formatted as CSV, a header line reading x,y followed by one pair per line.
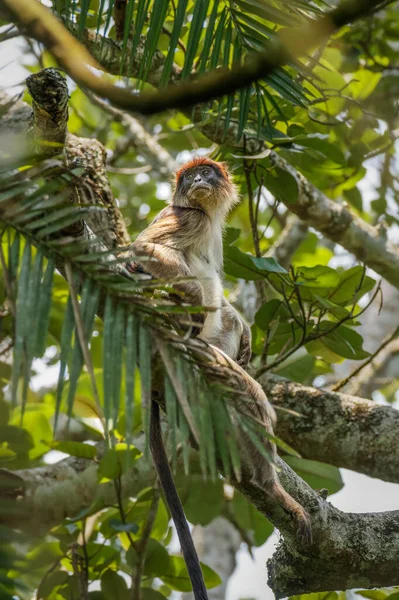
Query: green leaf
x,y
158,15
141,15
353,284
208,37
118,342
157,559
207,449
109,324
171,410
44,306
249,519
373,594
218,40
174,38
120,526
51,583
317,474
94,508
282,185
317,277
240,265
19,356
270,311
114,586
145,373
130,369
6,454
202,500
88,305
66,340
231,235
178,578
150,594
346,342
221,428
268,265
109,467
78,449
196,29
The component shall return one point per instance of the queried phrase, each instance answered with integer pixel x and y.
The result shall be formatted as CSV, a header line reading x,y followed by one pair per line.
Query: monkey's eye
x,y
206,172
190,176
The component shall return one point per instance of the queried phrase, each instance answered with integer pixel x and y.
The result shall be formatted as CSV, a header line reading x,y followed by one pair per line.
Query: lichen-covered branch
x,y
336,428
139,138
38,499
292,236
348,550
337,223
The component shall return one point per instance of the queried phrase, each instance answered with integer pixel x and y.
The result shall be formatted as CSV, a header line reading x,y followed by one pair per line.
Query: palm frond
x,y
134,329
214,34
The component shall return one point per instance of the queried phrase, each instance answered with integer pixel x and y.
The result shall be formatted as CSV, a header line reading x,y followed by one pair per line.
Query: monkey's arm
x,y
166,241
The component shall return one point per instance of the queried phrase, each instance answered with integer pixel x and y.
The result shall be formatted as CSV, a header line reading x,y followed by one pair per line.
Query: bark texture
x,y
342,430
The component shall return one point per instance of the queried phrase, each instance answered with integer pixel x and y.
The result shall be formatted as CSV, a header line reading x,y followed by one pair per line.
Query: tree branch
x,y
312,206
39,23
348,551
139,138
38,499
336,428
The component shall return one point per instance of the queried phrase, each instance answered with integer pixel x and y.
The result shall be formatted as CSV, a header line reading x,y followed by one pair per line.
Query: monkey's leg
x,y
233,337
175,506
304,528
264,476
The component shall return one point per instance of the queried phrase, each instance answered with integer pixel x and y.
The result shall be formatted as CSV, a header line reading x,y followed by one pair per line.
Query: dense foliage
x,y
332,117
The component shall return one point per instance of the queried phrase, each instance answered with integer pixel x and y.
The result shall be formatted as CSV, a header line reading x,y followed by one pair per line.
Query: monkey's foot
x,y
304,531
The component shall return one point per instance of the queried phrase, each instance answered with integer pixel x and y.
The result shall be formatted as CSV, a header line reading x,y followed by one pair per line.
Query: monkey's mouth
x,y
201,191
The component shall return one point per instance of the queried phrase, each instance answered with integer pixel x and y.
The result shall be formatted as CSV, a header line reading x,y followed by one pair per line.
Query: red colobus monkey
x,y
185,241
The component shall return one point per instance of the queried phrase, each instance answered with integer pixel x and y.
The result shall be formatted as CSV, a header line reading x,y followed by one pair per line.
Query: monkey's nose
x,y
197,179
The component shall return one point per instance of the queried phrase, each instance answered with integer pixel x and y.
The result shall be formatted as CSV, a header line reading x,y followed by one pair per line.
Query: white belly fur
x,y
209,278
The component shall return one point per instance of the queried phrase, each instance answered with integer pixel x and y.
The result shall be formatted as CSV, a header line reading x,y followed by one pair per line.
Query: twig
x,y
141,549
7,282
80,574
372,356
315,336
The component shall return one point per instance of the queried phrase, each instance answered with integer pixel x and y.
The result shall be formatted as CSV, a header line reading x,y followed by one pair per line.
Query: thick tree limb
x,y
349,550
38,499
39,23
343,227
336,428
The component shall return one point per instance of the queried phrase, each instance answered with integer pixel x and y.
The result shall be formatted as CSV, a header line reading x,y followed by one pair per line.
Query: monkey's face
x,y
200,183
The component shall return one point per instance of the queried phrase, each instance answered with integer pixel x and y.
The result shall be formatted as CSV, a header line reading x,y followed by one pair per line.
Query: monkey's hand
x,y
165,262
245,349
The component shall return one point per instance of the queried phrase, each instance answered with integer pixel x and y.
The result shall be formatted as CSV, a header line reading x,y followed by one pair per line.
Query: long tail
x,y
175,506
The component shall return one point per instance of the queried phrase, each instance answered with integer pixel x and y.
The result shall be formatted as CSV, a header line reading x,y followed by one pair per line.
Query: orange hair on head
x,y
199,162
